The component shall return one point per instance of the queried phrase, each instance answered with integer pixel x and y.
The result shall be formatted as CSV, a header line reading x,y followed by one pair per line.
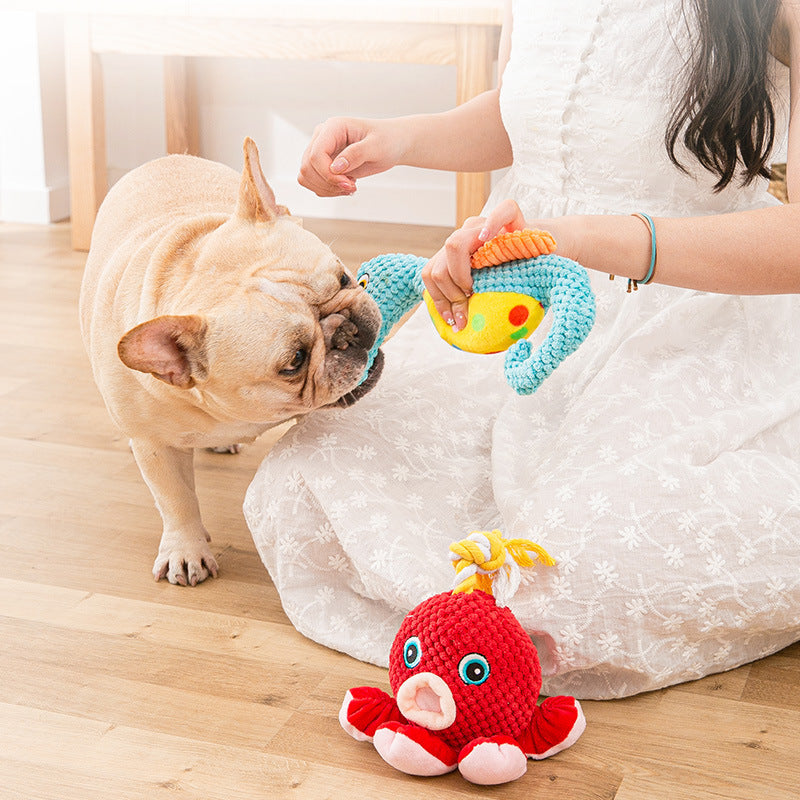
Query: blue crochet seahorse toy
x,y
509,301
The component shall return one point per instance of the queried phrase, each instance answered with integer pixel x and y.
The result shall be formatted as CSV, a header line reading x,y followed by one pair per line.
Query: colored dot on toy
x,y
518,315
520,334
478,322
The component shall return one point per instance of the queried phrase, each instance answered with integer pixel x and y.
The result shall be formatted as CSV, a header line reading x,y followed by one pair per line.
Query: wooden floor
x,y
114,686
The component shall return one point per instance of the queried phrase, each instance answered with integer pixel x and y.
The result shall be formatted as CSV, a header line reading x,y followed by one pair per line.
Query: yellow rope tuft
x,y
481,557
520,549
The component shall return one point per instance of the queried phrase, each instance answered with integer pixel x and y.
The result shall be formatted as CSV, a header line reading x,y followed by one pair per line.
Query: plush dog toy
x,y
516,278
466,678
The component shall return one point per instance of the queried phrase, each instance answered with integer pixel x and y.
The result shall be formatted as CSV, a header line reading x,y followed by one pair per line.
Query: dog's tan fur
x,y
210,315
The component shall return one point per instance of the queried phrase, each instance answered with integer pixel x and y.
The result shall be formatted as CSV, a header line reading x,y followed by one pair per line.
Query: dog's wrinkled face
x,y
288,330
297,337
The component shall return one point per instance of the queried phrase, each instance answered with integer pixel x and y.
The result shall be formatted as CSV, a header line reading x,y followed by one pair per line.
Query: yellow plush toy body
x,y
498,319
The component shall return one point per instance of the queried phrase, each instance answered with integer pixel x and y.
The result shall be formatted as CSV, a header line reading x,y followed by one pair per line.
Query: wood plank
x,y
86,127
729,685
775,681
225,37
476,52
88,751
153,622
683,740
115,559
90,688
180,106
115,685
451,12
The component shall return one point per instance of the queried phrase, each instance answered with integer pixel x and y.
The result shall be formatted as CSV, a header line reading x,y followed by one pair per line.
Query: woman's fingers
x,y
448,275
507,216
325,165
344,149
450,299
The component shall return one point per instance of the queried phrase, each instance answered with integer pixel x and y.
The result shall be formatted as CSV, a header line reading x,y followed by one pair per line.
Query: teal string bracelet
x,y
633,283
648,220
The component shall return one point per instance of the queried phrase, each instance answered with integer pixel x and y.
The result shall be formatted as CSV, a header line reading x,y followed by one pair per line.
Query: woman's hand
x,y
448,274
343,149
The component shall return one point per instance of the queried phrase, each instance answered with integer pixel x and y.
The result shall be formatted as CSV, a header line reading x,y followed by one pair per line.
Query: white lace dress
x,y
659,464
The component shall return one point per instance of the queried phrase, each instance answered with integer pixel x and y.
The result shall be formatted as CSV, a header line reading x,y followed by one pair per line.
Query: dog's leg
x,y
230,449
184,556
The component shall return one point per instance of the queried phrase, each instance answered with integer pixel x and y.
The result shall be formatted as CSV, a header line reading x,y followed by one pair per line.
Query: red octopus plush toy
x,y
466,678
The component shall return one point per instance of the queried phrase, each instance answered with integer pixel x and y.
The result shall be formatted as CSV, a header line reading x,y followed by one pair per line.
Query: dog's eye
x,y
344,281
296,363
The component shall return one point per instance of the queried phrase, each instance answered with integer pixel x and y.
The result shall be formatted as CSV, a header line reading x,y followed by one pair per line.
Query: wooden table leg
x,y
476,52
180,106
86,129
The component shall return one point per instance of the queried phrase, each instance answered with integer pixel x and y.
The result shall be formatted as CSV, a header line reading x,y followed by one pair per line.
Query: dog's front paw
x,y
228,449
185,564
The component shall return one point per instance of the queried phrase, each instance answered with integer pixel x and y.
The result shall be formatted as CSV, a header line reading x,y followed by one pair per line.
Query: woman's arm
x,y
468,138
748,252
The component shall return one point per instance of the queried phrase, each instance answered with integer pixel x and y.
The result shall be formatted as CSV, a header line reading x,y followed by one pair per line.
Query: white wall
x,y
278,104
34,184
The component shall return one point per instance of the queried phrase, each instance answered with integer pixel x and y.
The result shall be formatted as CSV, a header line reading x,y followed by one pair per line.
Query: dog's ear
x,y
256,199
171,348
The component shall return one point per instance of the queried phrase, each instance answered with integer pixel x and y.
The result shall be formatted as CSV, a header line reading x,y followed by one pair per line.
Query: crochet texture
x,y
395,282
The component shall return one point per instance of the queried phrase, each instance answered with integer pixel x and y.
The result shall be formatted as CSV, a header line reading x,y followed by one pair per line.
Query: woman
x,y
659,463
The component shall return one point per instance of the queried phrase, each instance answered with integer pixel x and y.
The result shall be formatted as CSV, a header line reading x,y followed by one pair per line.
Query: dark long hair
x,y
725,116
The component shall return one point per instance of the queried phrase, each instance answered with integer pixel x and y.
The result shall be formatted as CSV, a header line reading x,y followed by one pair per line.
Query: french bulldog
x,y
210,315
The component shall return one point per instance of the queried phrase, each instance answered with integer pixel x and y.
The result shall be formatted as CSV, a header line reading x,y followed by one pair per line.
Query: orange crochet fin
x,y
513,246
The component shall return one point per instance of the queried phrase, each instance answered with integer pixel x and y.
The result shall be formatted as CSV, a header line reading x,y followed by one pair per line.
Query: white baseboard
x,y
38,205
406,204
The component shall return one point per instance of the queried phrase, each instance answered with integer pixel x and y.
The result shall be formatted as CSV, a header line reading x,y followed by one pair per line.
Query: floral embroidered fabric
x,y
659,464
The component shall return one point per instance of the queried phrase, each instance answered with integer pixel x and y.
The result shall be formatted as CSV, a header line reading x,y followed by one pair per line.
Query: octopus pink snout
x,y
426,700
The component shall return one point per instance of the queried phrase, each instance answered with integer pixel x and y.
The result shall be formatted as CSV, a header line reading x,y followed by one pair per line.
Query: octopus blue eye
x,y
412,652
473,669
363,280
